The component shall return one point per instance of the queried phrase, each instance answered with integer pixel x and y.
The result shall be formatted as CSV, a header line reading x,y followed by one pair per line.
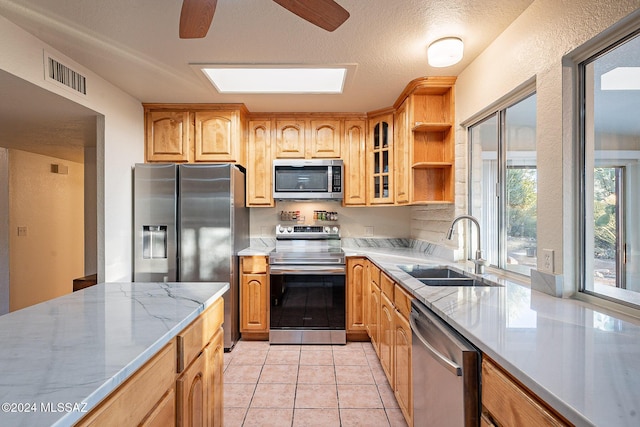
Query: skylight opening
x,y
294,80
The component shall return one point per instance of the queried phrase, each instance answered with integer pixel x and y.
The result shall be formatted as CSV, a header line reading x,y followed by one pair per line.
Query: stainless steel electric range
x,y
307,286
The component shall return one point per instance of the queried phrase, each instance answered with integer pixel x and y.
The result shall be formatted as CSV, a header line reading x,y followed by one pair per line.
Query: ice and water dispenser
x,y
154,241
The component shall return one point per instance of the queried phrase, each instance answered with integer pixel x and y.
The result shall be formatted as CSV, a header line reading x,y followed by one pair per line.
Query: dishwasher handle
x,y
442,359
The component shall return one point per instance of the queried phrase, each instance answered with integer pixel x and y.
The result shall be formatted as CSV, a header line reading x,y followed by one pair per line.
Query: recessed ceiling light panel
x,y
294,80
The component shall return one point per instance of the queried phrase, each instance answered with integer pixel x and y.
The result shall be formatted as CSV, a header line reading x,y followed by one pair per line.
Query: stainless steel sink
x,y
467,281
443,276
424,272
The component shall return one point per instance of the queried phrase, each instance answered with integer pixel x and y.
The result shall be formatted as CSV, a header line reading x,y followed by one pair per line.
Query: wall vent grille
x,y
58,72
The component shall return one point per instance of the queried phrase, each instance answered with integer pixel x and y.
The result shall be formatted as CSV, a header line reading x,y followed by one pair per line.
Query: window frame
x,y
587,55
497,110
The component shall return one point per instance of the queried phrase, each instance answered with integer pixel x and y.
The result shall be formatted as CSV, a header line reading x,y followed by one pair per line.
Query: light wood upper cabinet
x,y
325,139
401,156
259,164
380,159
354,157
215,139
290,139
168,136
429,138
195,133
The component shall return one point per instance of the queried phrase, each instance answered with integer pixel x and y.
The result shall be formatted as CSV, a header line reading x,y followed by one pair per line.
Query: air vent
x,y
60,73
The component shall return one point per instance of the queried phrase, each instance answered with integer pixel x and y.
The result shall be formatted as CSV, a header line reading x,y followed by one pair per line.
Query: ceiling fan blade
x,y
326,14
195,18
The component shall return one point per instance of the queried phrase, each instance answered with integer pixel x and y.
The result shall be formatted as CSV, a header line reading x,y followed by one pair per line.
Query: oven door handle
x,y
307,269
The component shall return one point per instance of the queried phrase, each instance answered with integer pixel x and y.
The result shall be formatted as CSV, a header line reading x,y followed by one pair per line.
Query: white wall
x,y
49,207
533,47
120,145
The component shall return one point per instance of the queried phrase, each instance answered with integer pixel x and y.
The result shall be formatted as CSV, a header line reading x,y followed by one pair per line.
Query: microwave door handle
x,y
439,357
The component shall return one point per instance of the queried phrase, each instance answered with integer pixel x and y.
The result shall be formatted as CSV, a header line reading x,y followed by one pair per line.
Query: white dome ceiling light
x,y
445,52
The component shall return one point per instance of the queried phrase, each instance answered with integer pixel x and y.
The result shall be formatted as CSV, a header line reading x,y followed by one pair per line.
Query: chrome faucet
x,y
478,261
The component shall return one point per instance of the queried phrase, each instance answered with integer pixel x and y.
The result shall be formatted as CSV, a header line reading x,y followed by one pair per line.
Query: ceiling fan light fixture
x,y
445,52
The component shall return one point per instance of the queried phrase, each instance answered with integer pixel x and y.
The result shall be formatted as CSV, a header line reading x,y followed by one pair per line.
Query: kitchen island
x,y
61,358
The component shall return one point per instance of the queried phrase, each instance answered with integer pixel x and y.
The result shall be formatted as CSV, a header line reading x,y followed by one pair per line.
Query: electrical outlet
x,y
22,231
547,261
368,231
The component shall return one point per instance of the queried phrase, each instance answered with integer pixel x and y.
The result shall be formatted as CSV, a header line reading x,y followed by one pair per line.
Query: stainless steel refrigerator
x,y
190,221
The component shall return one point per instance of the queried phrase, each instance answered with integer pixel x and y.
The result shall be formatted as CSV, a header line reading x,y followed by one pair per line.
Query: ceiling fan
x,y
196,15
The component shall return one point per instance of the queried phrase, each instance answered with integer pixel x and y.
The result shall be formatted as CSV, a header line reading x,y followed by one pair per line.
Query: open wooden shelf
x,y
432,165
431,127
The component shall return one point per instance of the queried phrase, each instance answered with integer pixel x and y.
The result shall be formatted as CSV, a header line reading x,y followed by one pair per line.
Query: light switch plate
x,y
547,261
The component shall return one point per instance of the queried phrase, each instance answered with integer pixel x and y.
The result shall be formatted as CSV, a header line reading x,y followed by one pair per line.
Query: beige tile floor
x,y
309,385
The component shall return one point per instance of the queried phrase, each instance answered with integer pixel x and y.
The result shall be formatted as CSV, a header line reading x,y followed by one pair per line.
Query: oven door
x,y
307,304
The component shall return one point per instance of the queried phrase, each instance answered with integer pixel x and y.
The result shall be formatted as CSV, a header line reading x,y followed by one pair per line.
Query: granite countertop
x,y
58,359
581,359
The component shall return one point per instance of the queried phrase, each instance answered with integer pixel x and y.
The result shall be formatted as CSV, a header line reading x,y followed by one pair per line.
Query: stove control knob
x,y
289,229
335,230
327,229
281,229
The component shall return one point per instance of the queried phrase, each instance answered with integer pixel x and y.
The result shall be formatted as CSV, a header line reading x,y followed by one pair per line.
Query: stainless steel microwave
x,y
302,179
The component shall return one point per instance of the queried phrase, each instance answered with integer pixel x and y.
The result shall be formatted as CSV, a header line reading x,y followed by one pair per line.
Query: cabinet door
x,y
259,164
254,291
164,414
402,366
381,160
353,155
290,139
386,336
373,307
167,136
510,404
215,136
402,143
215,369
356,322
325,139
192,394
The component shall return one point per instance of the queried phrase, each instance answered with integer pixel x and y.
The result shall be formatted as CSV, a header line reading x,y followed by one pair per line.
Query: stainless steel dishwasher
x,y
446,373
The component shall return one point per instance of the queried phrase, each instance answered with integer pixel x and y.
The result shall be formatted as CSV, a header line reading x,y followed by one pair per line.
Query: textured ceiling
x,y
135,44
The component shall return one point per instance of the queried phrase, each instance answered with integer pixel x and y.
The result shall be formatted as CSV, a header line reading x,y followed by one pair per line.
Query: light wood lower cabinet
x,y
192,394
387,314
386,336
402,362
182,385
373,306
356,295
505,402
254,297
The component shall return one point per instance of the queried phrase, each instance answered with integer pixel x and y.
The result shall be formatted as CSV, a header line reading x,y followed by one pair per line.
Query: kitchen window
x,y
503,184
609,85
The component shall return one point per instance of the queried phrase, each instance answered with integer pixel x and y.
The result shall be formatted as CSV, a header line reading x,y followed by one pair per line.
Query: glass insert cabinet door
x,y
381,149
